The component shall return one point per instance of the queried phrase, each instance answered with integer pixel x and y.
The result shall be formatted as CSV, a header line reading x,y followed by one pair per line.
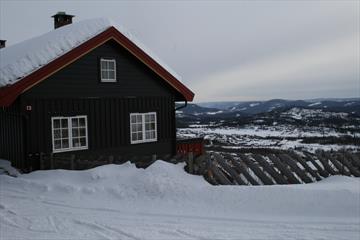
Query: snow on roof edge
x,y
20,60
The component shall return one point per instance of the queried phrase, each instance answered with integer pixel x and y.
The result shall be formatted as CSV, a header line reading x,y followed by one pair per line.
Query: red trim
x,y
8,94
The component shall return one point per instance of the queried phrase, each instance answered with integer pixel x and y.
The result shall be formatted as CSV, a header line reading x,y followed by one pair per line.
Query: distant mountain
x,y
194,109
333,99
243,109
218,105
251,108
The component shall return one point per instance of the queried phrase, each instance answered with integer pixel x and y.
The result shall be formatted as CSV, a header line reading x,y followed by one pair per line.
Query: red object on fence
x,y
194,145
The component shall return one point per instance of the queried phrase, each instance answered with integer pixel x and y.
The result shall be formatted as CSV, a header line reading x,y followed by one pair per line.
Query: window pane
x,y
147,126
112,65
103,74
139,127
64,133
57,134
64,123
111,75
139,136
76,142
147,118
133,118
133,128
82,122
82,142
57,144
74,122
82,132
56,123
139,118
134,137
152,117
147,135
103,64
152,126
65,143
75,132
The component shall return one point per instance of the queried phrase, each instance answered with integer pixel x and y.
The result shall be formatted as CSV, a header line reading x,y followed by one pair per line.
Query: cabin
x,y
86,88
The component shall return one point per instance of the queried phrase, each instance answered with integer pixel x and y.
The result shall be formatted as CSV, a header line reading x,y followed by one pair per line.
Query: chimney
x,y
62,19
2,43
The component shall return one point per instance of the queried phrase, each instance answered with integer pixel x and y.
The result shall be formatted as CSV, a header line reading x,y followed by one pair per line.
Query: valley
x,y
330,125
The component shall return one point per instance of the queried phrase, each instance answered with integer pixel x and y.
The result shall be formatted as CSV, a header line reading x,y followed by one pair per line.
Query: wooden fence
x,y
287,167
281,167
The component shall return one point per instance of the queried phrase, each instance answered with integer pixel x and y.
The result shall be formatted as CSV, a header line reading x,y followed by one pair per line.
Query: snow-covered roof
x,y
19,60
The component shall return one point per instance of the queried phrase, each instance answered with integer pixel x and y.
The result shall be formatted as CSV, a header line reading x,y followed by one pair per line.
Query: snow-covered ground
x,y
276,131
279,137
163,202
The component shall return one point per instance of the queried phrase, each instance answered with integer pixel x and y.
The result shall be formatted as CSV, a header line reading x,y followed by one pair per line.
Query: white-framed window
x,y
69,133
143,127
108,70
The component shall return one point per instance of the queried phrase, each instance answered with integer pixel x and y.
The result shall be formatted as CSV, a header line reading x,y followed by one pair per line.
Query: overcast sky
x,y
227,50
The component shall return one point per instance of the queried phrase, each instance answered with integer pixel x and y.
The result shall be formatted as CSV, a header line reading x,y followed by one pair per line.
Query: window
x,y
108,70
69,133
143,127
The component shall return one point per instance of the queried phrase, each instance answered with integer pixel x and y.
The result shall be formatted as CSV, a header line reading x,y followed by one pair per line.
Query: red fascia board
x,y
8,94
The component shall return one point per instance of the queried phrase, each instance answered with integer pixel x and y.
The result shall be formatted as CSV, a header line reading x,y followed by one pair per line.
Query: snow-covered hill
x,y
163,202
232,109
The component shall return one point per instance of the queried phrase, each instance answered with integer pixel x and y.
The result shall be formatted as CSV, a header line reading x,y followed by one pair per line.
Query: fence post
x,y
191,162
72,162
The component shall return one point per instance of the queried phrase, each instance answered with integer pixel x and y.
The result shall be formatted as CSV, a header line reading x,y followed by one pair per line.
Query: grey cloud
x,y
207,40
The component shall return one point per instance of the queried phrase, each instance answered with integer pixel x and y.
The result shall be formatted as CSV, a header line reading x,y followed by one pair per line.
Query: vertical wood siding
x,y
108,124
12,135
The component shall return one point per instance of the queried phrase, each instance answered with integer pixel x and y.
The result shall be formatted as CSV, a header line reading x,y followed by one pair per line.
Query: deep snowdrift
x,y
106,200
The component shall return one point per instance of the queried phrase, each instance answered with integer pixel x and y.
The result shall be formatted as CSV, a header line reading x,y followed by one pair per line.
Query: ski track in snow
x,y
30,209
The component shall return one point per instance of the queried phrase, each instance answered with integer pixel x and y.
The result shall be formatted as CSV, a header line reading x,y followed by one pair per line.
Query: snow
x,y
19,60
262,132
214,113
314,104
163,202
300,113
349,104
253,104
6,168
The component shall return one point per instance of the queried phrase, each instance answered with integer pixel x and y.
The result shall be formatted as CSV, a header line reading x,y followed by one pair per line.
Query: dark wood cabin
x,y
104,97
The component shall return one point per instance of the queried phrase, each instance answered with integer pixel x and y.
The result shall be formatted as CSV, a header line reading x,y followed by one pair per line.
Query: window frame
x,y
70,135
107,80
143,123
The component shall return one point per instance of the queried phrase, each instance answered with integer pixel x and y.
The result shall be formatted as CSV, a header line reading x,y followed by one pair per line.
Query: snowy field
x,y
280,137
163,202
278,131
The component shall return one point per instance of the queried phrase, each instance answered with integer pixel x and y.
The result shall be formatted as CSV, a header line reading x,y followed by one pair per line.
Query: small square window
x,y
108,69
